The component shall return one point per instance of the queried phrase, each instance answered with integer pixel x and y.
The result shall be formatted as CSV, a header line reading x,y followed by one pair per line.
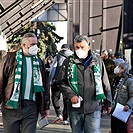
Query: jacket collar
x,y
93,61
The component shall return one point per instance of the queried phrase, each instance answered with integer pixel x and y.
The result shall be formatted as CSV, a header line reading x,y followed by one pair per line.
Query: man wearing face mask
x,y
109,64
82,79
22,88
122,92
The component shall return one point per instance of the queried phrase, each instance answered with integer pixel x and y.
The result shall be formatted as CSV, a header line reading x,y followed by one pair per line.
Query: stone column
x,y
84,17
111,20
70,24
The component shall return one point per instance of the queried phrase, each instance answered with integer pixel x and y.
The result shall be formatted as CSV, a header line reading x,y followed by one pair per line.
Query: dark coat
x,y
86,85
7,74
125,90
110,65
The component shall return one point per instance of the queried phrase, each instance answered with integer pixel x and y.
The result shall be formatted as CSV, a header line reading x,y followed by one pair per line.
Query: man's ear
x,y
89,47
23,45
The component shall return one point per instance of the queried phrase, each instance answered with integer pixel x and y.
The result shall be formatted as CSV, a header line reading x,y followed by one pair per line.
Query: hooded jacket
x,y
125,90
57,64
86,85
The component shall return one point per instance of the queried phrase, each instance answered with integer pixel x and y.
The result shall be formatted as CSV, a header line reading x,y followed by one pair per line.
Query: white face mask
x,y
116,70
49,61
33,50
80,53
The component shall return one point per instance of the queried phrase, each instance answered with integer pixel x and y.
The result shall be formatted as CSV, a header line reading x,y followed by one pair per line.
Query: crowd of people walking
x,y
88,84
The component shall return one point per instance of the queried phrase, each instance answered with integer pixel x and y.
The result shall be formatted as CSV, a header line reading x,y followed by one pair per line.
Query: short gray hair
x,y
26,37
124,66
80,38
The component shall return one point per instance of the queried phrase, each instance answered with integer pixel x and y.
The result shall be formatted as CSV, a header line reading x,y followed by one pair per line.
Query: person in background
x,y
48,63
22,88
54,77
82,79
109,64
112,56
118,59
122,92
13,48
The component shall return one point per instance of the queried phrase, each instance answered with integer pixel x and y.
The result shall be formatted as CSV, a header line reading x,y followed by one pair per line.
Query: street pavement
x,y
60,128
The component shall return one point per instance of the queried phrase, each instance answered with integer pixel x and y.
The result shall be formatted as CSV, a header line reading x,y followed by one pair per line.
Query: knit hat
x,y
65,46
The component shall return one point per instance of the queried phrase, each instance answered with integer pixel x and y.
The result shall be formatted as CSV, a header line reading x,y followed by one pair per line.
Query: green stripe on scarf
x,y
72,75
72,79
98,83
37,79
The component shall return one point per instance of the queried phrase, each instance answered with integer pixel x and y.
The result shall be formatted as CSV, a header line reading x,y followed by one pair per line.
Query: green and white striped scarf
x,y
72,79
72,75
37,79
98,83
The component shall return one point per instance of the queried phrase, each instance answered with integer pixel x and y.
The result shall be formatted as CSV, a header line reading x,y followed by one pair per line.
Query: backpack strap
x,y
122,81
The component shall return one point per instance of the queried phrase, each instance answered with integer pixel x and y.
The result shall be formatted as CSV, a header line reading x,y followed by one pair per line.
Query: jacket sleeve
x,y
46,93
1,79
63,82
106,84
53,70
3,74
130,92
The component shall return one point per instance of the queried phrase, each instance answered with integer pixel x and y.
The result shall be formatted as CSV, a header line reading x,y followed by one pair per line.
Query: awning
x,y
17,13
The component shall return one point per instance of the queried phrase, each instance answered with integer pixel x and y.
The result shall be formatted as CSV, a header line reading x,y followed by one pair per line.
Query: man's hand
x,y
109,110
46,113
126,108
74,99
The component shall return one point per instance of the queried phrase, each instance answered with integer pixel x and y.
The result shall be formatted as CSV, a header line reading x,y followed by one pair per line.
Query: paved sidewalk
x,y
60,128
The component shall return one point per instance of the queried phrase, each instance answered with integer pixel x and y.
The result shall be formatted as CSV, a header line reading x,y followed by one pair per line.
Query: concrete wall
x,y
128,24
88,16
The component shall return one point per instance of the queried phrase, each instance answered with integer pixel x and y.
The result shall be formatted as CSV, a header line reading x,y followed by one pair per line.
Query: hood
x,y
66,53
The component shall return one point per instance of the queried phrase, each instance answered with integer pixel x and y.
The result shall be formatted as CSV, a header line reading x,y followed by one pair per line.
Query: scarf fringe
x,y
13,104
38,88
100,97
